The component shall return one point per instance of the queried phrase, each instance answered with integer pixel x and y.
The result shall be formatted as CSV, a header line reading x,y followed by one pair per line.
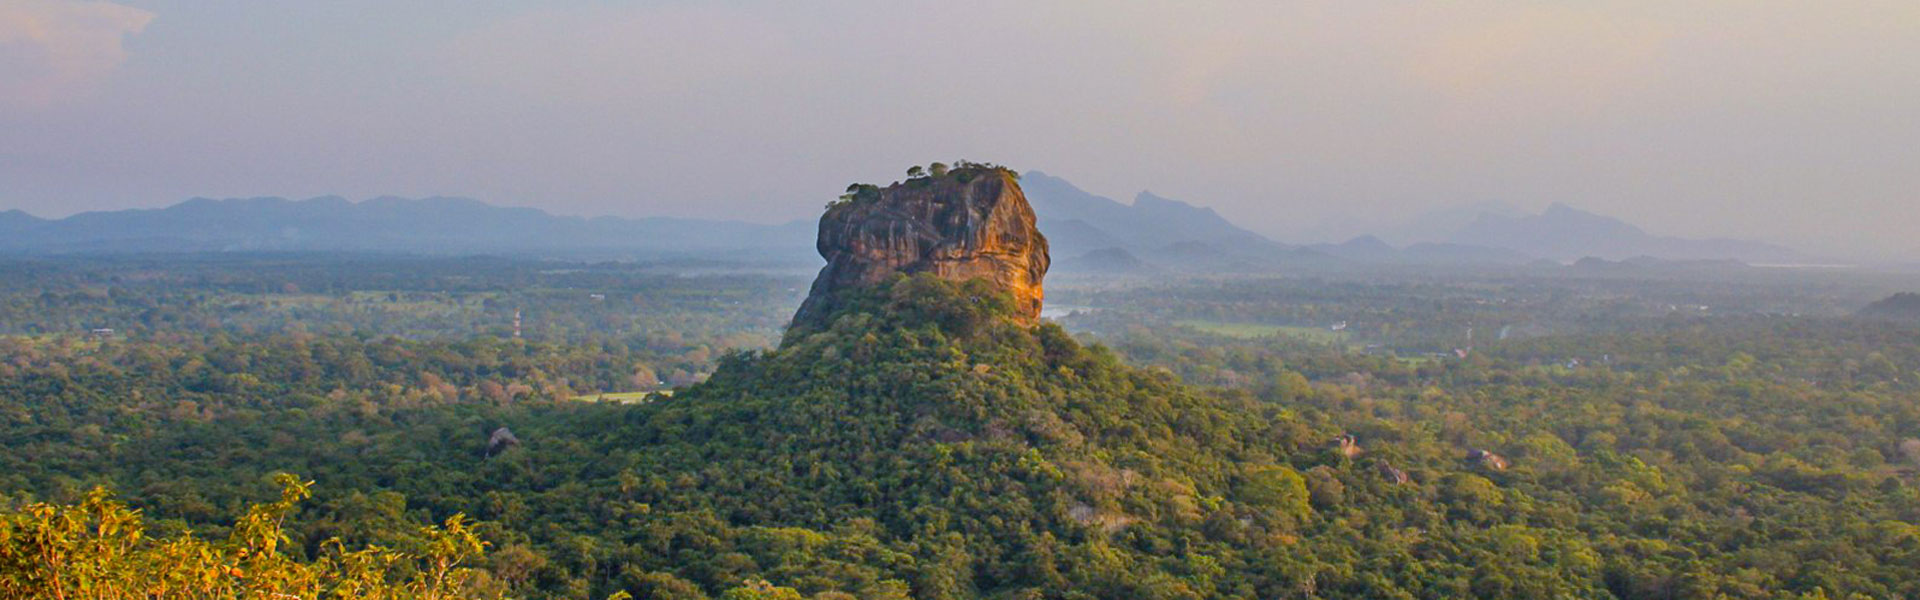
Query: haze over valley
x,y
1149,230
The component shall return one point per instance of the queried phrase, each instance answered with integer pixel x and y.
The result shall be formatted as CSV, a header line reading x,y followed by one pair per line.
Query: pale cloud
x,y
53,49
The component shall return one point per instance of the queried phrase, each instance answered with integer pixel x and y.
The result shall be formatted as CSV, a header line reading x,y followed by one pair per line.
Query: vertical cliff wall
x,y
969,224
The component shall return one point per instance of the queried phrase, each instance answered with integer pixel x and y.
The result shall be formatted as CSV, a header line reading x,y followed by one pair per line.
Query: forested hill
x,y
1903,306
977,458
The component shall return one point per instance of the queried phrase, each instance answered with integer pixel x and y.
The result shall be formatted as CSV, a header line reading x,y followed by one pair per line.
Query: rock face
x,y
1347,445
1487,460
1393,474
501,440
972,223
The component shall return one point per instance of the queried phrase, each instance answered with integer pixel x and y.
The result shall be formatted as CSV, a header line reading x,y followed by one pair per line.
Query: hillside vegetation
x,y
924,445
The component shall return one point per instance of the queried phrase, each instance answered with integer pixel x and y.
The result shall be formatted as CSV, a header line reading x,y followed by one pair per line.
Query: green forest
x,y
261,429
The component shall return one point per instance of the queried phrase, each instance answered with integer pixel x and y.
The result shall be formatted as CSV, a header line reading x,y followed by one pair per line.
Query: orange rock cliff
x,y
971,223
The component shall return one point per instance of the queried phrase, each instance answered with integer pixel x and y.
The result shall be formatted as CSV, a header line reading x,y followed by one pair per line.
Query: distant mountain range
x,y
427,225
1077,222
1098,234
1565,233
1088,233
1498,234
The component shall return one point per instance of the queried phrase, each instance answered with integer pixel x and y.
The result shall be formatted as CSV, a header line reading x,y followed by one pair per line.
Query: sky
x,y
1788,121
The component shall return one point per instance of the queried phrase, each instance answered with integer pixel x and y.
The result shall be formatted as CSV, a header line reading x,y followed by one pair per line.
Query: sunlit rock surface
x,y
969,224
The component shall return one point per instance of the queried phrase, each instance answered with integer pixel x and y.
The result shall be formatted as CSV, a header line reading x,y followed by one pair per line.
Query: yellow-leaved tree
x,y
99,550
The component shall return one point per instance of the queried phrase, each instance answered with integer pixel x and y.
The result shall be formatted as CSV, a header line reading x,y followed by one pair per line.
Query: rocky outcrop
x,y
1487,460
501,440
1346,445
971,223
1393,474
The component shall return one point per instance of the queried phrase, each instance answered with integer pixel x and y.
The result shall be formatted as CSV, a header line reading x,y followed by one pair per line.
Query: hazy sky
x,y
1790,121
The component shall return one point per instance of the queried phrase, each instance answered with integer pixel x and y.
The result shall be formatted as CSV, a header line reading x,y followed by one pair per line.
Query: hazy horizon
x,y
1770,121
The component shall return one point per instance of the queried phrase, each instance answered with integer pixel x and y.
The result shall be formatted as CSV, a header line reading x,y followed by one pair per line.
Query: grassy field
x,y
421,302
1258,330
1415,361
626,397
